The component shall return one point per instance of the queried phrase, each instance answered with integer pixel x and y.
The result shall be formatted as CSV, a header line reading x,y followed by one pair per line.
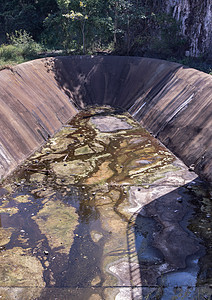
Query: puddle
x,y
171,246
104,211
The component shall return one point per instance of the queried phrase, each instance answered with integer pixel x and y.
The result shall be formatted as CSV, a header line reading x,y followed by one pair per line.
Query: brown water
x,y
86,216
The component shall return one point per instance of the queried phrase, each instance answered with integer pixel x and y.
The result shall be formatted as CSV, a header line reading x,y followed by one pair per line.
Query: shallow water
x,y
104,211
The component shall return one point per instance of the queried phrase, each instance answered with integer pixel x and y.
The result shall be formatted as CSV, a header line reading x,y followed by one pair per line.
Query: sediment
x,y
171,101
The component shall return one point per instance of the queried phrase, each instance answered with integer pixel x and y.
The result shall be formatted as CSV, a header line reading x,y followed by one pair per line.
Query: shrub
x,y
24,43
21,47
9,52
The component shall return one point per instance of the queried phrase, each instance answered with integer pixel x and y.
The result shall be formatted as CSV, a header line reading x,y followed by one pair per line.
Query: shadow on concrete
x,y
169,245
163,96
114,81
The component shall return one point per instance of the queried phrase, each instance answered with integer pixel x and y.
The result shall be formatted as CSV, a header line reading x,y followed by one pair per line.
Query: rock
x,y
110,123
96,236
96,280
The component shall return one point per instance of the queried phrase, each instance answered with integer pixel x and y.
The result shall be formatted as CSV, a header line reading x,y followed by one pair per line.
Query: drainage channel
x,y
104,211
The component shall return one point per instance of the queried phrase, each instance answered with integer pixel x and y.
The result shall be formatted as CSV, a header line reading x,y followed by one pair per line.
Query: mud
x,y
105,213
170,100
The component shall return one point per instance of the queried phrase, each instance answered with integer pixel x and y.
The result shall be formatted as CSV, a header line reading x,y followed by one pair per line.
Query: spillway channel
x,y
104,211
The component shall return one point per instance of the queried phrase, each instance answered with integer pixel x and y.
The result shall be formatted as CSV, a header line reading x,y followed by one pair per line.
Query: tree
x,y
129,20
25,15
83,24
81,17
130,27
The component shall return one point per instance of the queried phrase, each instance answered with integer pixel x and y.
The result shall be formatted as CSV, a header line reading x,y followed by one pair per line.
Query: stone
x,y
96,236
96,280
110,123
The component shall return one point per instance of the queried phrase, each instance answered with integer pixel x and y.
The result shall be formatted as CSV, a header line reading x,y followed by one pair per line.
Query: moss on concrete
x,y
22,199
19,268
103,174
5,235
58,222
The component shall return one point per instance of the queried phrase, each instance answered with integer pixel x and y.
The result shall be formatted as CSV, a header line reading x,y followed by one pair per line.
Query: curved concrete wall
x,y
32,108
171,101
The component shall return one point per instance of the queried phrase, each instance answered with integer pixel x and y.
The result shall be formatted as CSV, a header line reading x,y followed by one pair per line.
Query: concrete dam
x,y
106,170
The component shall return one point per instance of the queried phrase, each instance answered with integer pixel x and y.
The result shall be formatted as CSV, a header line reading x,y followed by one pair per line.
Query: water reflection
x,y
66,211
170,243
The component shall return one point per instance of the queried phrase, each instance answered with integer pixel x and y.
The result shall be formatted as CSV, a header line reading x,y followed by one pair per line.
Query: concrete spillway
x,y
171,101
103,210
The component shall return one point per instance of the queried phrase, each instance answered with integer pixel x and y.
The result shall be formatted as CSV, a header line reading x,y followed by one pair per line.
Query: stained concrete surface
x,y
105,213
171,101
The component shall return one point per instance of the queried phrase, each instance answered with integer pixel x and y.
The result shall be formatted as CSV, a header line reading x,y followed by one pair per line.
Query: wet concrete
x,y
104,211
171,246
173,102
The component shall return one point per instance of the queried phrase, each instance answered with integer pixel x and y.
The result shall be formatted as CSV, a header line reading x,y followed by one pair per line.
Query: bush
x,y
24,43
9,52
168,40
21,48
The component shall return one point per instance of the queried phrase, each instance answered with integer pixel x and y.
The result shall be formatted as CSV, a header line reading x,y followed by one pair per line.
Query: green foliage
x,y
24,43
168,42
131,20
88,25
21,47
140,31
80,17
122,27
78,26
10,55
53,35
25,15
199,63
9,52
63,5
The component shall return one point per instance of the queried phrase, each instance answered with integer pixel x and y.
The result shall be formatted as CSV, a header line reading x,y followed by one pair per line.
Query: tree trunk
x,y
115,24
83,37
128,33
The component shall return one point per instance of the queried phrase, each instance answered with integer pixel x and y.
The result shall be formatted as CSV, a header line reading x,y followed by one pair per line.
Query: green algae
x,y
37,177
22,199
23,293
58,222
5,235
99,164
19,268
44,193
8,210
97,147
76,168
83,150
8,188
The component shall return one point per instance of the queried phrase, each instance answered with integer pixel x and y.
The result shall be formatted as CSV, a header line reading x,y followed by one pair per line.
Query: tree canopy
x,y
127,27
